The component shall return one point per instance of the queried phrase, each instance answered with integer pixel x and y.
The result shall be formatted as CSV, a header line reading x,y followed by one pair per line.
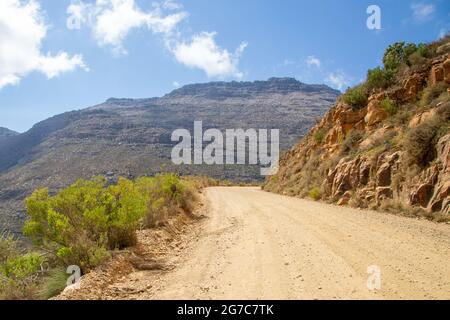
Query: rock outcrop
x,y
367,155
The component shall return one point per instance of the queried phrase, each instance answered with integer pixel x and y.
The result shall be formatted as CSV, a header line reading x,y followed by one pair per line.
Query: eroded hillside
x,y
386,143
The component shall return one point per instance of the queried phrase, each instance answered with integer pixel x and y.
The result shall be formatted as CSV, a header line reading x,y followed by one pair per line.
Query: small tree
x,y
356,97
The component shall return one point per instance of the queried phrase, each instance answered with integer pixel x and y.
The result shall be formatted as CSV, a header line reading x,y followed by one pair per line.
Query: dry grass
x,y
398,207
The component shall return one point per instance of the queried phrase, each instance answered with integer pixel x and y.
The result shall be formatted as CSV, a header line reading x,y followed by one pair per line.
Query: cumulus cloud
x,y
112,20
422,11
338,80
22,30
202,52
313,61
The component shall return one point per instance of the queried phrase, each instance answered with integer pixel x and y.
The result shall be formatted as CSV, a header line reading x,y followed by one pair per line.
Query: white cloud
x,y
338,80
202,52
422,12
112,20
22,30
313,61
287,62
176,84
171,5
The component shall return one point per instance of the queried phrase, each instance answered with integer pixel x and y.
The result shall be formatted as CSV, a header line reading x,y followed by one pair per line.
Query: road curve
x,y
258,245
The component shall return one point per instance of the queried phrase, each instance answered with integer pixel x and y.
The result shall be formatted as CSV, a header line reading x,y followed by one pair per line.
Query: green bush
x,y
19,273
54,283
83,222
22,266
8,247
423,51
319,135
315,193
389,106
398,53
379,78
356,97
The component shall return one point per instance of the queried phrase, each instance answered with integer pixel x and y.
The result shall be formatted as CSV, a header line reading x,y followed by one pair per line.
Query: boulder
x,y
436,74
382,193
364,171
412,86
421,117
386,167
368,194
345,176
374,113
345,114
383,177
441,197
345,198
422,194
446,69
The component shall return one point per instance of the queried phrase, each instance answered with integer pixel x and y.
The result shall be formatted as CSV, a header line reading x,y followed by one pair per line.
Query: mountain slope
x,y
386,143
131,137
6,133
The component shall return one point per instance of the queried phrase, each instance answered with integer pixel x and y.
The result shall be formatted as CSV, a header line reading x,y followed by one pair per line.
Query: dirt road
x,y
258,245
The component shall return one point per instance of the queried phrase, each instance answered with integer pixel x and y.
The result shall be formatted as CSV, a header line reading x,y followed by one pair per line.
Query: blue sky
x,y
60,58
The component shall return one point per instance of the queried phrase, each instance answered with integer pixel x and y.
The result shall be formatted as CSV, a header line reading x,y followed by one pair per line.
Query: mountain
x,y
131,137
6,133
385,144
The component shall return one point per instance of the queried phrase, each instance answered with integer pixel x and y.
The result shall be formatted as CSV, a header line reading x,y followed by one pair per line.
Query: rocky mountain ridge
x,y
131,137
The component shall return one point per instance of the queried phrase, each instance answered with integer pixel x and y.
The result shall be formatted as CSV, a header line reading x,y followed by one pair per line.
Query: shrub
x,y
315,193
423,51
8,247
167,194
420,141
430,93
389,106
356,97
54,283
22,266
379,78
396,54
82,221
351,141
319,135
396,206
19,273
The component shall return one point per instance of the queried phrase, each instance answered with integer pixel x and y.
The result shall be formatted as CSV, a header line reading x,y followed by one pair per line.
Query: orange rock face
x,y
446,70
412,86
375,166
374,112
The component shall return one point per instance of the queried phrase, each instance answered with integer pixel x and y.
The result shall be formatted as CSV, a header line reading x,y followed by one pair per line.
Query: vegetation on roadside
x,y
315,193
83,223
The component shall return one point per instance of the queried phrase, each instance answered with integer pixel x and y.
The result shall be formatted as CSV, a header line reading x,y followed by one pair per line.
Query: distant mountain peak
x,y
220,90
6,133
